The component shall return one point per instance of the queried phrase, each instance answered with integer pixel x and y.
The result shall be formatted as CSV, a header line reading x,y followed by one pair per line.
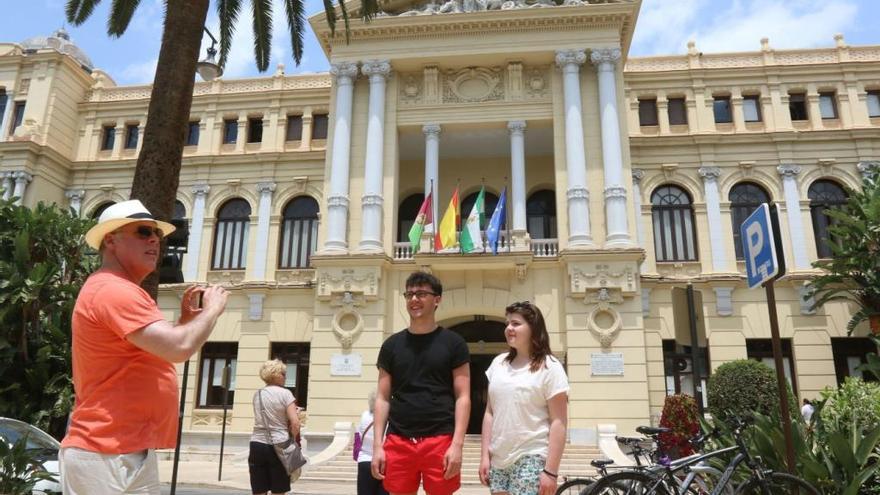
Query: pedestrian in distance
x,y
124,378
366,483
276,421
424,396
807,411
524,426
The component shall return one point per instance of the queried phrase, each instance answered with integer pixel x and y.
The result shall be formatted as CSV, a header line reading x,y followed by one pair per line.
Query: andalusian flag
x,y
471,240
449,224
423,218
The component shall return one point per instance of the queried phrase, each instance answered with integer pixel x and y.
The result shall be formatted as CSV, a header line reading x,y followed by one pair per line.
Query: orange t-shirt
x,y
126,398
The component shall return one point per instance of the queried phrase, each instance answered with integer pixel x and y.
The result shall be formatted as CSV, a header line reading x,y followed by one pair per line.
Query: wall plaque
x,y
606,363
346,364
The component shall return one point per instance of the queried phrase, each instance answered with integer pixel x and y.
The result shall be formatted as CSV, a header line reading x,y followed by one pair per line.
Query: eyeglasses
x,y
421,294
143,232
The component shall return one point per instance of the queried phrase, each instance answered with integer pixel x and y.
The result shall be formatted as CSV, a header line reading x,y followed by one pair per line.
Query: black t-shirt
x,y
422,394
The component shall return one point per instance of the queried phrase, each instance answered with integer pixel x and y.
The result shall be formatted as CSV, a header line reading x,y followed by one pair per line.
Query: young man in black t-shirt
x,y
424,396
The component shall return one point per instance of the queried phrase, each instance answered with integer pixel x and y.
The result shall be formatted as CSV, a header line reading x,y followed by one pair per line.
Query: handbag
x,y
359,442
288,452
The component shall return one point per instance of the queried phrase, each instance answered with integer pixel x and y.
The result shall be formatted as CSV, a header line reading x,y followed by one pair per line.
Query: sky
x,y
663,28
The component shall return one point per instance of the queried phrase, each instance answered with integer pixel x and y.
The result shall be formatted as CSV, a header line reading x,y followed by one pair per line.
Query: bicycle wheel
x,y
777,484
575,487
628,483
703,480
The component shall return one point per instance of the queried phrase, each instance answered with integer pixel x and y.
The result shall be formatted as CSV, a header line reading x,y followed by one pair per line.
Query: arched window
x,y
231,235
100,209
490,201
673,215
824,195
299,233
744,198
541,215
406,215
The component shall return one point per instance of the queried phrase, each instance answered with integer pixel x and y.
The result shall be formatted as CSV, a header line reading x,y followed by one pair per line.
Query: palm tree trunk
x,y
158,167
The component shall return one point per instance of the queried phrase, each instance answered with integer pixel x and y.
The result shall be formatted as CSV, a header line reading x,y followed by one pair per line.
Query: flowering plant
x,y
679,414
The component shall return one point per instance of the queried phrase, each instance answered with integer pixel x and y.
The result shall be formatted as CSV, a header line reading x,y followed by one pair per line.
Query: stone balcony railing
x,y
540,248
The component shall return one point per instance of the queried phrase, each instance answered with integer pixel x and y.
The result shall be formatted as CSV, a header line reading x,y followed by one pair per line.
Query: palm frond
x,y
227,12
369,9
79,10
262,32
330,10
120,16
345,20
296,23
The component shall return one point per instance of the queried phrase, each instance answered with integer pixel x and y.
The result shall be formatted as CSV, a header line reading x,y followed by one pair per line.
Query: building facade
x,y
625,179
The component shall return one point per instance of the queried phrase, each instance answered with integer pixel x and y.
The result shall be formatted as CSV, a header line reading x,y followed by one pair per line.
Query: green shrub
x,y
854,403
745,387
680,414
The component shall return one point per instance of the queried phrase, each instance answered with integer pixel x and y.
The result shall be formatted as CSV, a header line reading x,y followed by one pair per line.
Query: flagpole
x,y
433,220
458,215
507,218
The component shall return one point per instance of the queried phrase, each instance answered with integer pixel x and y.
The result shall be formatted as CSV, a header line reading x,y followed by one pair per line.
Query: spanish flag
x,y
449,224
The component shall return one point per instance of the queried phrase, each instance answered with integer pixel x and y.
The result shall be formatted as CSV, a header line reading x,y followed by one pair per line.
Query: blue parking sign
x,y
761,246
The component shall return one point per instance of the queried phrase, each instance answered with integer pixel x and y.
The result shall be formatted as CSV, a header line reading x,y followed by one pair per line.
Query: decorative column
x,y
432,168
518,183
75,196
789,173
575,160
337,200
197,225
713,215
7,183
617,231
371,202
6,117
637,176
21,182
263,213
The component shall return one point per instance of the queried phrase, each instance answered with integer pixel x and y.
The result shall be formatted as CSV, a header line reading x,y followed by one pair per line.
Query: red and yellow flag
x,y
449,224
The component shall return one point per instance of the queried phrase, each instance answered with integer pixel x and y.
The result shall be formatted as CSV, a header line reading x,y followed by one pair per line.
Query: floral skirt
x,y
520,478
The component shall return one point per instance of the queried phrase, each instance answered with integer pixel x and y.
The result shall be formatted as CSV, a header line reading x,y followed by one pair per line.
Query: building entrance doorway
x,y
485,340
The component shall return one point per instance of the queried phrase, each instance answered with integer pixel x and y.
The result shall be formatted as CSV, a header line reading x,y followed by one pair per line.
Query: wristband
x,y
548,473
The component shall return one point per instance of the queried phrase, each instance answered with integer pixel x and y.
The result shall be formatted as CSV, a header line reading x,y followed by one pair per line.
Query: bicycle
x,y
664,481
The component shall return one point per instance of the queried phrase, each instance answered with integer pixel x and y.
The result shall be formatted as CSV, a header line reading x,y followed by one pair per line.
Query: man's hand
x,y
484,470
452,461
377,466
547,484
214,299
189,305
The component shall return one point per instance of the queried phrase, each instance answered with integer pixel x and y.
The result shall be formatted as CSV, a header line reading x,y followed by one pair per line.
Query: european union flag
x,y
493,232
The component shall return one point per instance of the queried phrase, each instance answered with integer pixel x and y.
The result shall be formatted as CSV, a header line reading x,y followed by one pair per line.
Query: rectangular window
x,y
18,116
827,105
109,137
849,354
3,102
679,370
647,112
230,131
874,103
677,112
721,107
255,130
295,355
319,126
797,106
752,108
762,350
294,127
192,133
131,136
218,359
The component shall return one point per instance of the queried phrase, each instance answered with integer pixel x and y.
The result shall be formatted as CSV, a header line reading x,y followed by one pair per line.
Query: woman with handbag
x,y
274,441
363,452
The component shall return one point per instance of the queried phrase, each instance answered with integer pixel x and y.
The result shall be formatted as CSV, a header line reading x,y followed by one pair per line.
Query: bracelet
x,y
548,473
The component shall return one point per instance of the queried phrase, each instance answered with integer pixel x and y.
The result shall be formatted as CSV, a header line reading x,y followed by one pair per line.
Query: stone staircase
x,y
575,461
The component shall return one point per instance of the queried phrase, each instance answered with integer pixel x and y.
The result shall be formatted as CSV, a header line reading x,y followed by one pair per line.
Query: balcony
x,y
540,248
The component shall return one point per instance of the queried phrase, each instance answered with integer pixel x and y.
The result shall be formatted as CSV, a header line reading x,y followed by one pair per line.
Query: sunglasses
x,y
421,294
143,232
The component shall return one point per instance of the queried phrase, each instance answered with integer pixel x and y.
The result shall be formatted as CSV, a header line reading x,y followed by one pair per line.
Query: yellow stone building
x,y
625,178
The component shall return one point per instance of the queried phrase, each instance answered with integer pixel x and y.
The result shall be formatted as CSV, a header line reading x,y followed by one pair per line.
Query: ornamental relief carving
x,y
474,85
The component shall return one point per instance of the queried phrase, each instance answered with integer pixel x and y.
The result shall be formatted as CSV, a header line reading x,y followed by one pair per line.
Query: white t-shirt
x,y
366,453
521,417
276,399
807,412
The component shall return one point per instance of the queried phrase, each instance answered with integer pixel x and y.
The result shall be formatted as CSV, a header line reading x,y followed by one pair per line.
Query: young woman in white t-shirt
x,y
525,421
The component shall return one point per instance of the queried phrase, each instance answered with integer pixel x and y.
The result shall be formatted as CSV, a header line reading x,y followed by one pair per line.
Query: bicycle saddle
x,y
630,440
651,431
600,463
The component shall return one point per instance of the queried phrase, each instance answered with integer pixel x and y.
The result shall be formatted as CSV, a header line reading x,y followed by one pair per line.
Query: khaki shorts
x,y
92,473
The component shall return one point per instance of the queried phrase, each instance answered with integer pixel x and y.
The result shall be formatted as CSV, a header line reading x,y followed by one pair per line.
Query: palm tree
x,y
157,173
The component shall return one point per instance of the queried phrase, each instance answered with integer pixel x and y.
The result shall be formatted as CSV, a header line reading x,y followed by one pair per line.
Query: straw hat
x,y
121,214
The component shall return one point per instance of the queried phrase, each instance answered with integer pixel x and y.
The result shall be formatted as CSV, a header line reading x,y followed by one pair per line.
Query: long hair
x,y
540,341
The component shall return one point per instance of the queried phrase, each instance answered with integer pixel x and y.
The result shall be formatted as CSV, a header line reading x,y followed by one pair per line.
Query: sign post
x,y
762,246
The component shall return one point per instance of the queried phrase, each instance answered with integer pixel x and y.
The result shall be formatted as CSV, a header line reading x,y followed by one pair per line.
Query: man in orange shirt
x,y
123,350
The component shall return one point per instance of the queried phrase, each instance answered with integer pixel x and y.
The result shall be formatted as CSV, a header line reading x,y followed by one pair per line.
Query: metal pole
x,y
695,348
179,428
780,376
225,408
